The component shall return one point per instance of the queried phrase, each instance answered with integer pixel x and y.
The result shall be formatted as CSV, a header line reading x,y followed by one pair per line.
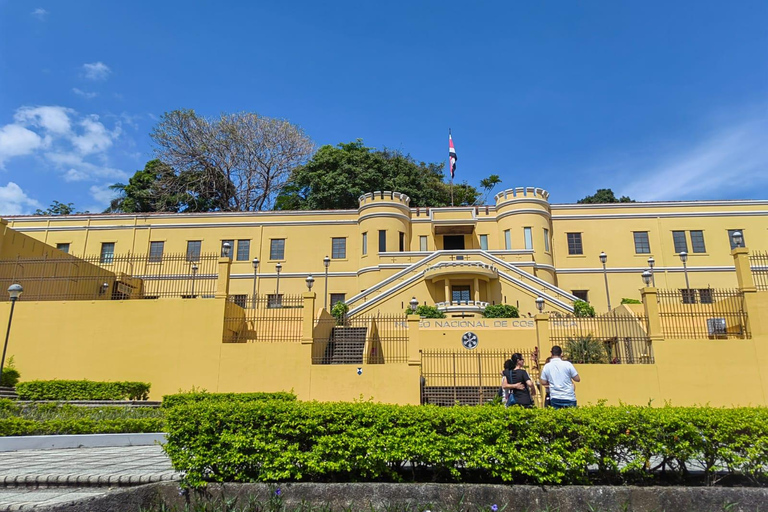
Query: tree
x,y
58,208
488,184
153,189
604,195
336,176
236,162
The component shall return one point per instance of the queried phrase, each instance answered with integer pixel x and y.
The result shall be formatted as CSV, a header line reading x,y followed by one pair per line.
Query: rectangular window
x,y
337,297
63,247
423,244
274,301
730,238
528,236
688,295
193,250
642,245
240,300
401,241
546,240
231,243
681,245
338,248
107,252
460,293
697,241
581,294
507,239
382,240
243,250
484,242
365,244
277,249
156,251
705,296
574,243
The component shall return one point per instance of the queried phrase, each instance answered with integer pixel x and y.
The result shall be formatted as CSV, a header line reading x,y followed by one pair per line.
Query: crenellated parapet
x,y
384,196
521,194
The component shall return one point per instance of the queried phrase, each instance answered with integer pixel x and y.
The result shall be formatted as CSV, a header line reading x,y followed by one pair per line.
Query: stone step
x,y
10,393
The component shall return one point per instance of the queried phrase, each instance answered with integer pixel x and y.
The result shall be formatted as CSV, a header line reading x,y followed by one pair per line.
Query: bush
x,y
425,312
582,308
10,377
586,350
501,311
82,390
267,441
186,398
625,300
339,311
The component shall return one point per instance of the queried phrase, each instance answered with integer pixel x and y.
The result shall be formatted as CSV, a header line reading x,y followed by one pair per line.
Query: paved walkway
x,y
35,478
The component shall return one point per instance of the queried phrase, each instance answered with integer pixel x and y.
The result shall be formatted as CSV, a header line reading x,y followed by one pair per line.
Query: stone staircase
x,y
9,393
346,346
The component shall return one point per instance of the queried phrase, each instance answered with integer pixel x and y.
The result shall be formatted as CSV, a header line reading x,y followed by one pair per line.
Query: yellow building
x,y
257,331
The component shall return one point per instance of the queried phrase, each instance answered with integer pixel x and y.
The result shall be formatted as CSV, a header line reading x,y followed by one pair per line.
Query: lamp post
x,y
310,281
684,259
14,291
327,263
603,259
414,303
651,263
227,249
278,268
194,273
738,239
255,264
540,304
647,275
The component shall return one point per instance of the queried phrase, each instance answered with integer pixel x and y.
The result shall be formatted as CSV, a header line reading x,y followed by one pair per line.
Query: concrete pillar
x,y
649,296
447,290
222,280
476,290
308,318
414,356
743,270
543,341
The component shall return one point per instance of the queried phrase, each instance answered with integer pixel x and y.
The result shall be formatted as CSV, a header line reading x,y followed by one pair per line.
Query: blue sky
x,y
658,100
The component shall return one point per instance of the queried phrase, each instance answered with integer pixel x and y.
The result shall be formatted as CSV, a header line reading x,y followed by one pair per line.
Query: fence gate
x,y
467,377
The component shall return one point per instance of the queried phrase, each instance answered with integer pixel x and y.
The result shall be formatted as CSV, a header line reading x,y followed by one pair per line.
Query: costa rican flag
x,y
452,155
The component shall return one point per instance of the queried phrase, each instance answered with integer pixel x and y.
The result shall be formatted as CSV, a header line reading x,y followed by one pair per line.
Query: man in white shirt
x,y
560,375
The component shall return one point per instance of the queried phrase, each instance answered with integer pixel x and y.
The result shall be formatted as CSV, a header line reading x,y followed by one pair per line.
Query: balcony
x,y
475,269
464,307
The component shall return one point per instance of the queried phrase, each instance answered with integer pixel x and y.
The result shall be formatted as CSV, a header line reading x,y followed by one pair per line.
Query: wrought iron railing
x,y
271,318
611,338
379,339
758,261
702,313
111,277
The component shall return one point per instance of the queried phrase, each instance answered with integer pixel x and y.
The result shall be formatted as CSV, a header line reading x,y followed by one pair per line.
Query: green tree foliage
x,y
335,177
58,208
339,312
157,188
586,350
604,195
488,184
501,311
582,308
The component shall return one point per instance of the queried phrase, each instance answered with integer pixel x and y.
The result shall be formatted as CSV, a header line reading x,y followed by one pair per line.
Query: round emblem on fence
x,y
469,340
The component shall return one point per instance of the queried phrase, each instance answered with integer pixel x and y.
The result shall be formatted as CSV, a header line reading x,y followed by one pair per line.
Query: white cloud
x,y
95,137
96,71
85,94
40,13
16,140
732,159
13,200
102,194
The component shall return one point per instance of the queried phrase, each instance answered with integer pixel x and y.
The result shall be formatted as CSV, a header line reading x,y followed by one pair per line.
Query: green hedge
x,y
43,419
187,398
82,390
296,441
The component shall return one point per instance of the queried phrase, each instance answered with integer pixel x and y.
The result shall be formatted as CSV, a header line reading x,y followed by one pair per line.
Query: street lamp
x,y
310,281
194,273
227,248
103,289
647,275
684,259
738,239
603,259
278,268
651,263
255,264
540,304
414,303
14,291
327,263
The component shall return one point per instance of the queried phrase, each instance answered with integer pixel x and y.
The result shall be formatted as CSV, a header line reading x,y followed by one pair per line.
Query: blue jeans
x,y
561,404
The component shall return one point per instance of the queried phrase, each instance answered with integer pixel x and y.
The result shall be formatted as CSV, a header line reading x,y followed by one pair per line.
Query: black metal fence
x,y
612,338
379,339
468,377
272,318
702,313
112,276
758,261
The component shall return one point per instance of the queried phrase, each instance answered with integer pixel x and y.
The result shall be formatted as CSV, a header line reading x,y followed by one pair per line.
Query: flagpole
x,y
450,170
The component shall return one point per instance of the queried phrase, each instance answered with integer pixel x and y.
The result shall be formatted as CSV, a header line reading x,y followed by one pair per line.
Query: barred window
x,y
240,300
338,248
193,250
337,297
156,251
574,243
243,250
697,241
681,245
705,296
484,242
107,252
63,247
277,249
274,301
642,245
730,238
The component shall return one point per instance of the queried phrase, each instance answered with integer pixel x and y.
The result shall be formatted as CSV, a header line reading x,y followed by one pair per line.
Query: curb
x,y
15,443
81,480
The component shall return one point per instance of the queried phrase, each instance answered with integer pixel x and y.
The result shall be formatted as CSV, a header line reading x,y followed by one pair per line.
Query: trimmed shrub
x,y
625,300
10,377
425,312
82,390
267,441
339,312
187,398
583,309
501,311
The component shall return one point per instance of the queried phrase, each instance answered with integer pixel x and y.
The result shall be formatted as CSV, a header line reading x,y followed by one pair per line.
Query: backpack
x,y
511,399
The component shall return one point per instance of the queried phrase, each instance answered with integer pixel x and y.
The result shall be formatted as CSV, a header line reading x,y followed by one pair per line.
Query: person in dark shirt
x,y
522,394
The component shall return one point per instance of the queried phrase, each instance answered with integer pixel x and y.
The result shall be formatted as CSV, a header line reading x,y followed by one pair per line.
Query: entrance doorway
x,y
453,242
